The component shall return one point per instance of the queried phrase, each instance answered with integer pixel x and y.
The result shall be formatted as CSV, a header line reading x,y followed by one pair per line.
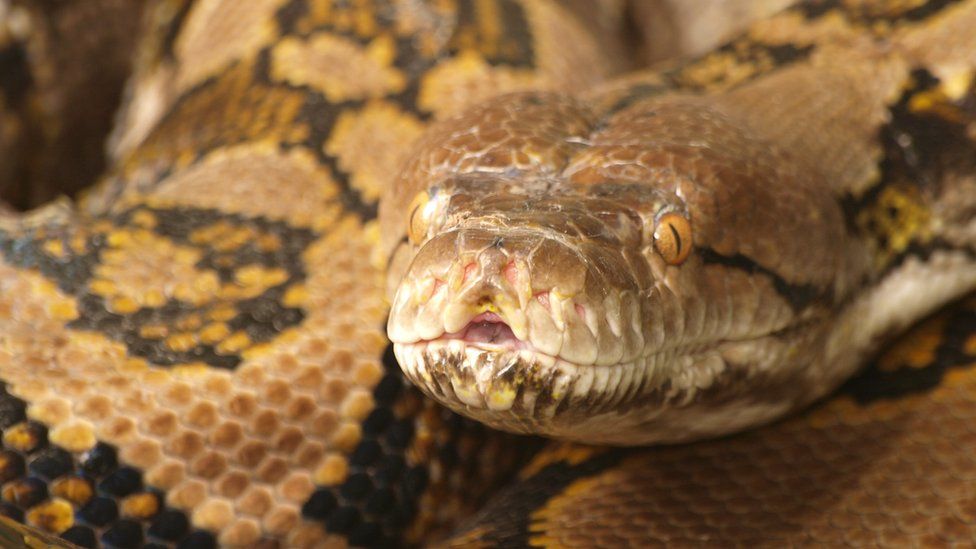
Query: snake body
x,y
195,354
691,254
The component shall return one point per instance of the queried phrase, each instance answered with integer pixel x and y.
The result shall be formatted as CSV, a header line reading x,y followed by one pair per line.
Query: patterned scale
x,y
194,356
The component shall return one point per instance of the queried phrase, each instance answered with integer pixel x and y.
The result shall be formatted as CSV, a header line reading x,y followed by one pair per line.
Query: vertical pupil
x,y
677,240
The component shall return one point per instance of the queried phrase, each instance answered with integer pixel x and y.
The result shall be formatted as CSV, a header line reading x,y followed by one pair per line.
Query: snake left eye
x,y
417,222
672,238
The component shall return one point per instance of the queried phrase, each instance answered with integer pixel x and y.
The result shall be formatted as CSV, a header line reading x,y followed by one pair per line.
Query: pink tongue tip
x,y
487,317
490,328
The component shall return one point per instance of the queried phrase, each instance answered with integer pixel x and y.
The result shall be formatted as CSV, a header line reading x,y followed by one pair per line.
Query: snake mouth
x,y
487,373
490,332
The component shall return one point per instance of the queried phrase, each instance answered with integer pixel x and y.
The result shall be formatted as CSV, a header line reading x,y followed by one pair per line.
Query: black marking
x,y
506,519
99,461
52,463
924,251
380,495
124,533
745,51
17,79
799,296
80,535
29,474
636,93
513,48
262,317
320,115
173,28
764,58
288,16
875,384
883,12
922,149
382,492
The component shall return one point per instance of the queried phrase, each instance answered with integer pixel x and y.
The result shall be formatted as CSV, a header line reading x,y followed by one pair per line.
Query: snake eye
x,y
417,229
672,238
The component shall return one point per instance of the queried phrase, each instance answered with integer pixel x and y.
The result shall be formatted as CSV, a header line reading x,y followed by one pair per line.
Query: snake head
x,y
550,277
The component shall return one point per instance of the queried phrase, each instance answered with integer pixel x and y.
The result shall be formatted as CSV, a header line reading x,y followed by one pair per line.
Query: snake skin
x,y
540,288
194,364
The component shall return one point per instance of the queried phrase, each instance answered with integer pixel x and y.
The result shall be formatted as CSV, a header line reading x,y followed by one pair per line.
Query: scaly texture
x,y
691,252
196,354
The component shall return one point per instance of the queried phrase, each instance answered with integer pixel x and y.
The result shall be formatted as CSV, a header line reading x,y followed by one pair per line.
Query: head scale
x,y
554,279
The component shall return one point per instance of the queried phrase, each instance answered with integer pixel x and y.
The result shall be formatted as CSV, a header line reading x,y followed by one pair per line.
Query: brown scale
x,y
302,436
797,482
282,449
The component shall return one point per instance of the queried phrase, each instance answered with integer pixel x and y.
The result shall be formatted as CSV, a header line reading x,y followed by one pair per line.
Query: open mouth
x,y
489,332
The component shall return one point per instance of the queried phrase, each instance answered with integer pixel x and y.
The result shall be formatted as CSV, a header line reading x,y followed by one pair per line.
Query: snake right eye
x,y
672,238
418,222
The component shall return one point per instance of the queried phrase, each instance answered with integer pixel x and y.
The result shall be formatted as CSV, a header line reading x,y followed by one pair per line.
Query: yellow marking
x,y
154,331
570,453
347,437
214,332
295,296
181,342
189,322
134,366
20,438
333,471
144,219
917,349
268,243
154,298
191,369
556,507
900,216
79,244
123,305
119,238
259,349
258,275
73,489
937,103
472,539
77,436
102,287
140,506
63,310
969,347
502,399
54,516
957,85
364,20
222,313
55,248
489,27
234,344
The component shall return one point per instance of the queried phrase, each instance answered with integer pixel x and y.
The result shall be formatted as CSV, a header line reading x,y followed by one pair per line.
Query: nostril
x,y
468,271
511,273
436,287
543,299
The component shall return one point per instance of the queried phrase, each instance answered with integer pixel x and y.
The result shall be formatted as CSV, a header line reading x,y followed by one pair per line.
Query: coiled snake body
x,y
195,354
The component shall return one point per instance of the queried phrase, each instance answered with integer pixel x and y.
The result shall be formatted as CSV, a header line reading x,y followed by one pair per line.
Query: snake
x,y
345,255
